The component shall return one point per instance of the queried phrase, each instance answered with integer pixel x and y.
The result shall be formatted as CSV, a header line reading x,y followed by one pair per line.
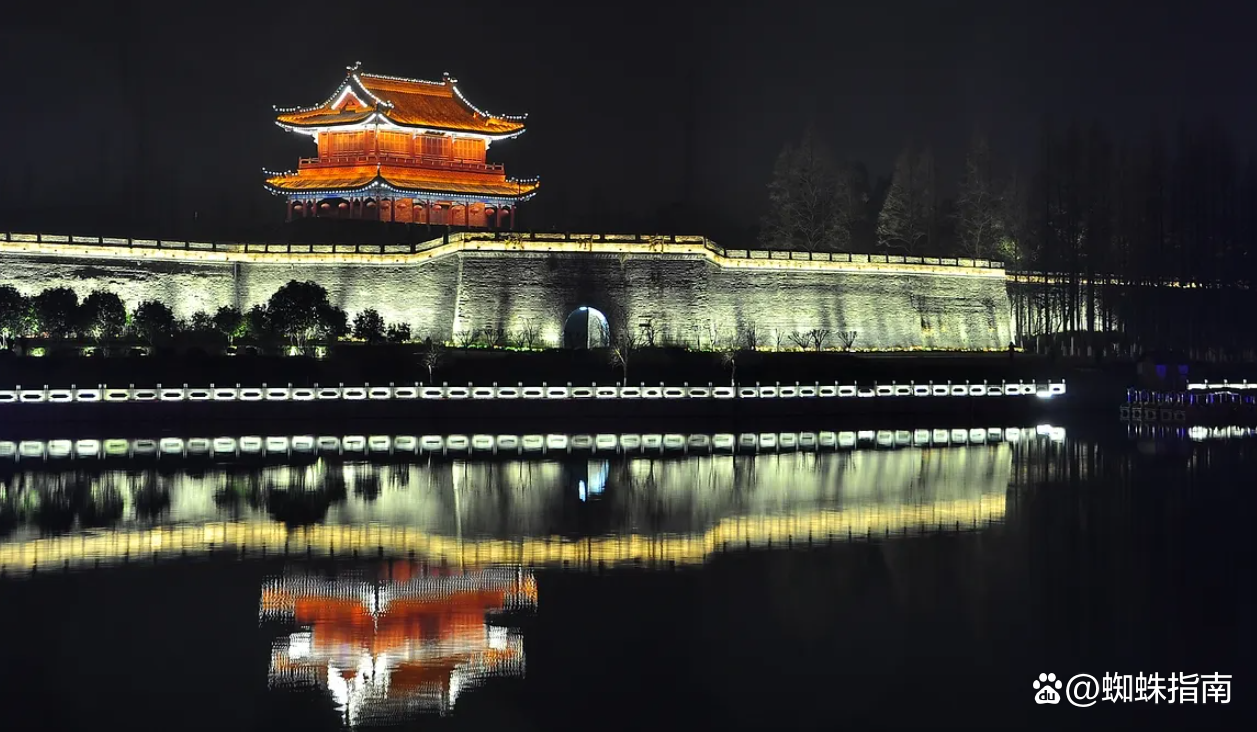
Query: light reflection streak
x,y
225,447
472,513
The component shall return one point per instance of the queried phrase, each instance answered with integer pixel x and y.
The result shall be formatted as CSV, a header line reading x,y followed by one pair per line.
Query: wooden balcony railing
x,y
402,160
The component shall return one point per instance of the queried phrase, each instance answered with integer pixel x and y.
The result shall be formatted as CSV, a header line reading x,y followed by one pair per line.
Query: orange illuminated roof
x,y
411,676
405,179
437,105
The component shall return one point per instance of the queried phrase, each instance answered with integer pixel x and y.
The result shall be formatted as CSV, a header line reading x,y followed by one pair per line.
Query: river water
x,y
880,583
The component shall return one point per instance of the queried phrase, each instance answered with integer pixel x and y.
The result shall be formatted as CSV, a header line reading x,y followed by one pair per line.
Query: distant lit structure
x,y
401,150
390,649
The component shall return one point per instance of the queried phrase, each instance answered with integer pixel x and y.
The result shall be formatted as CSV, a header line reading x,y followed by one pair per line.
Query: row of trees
x,y
298,312
1128,206
1175,225
1119,221
817,203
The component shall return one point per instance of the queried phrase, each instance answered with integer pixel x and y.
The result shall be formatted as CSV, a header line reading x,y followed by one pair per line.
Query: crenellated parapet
x,y
667,290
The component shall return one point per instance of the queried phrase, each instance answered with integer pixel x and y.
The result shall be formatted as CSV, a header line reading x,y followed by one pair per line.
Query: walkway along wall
x,y
686,289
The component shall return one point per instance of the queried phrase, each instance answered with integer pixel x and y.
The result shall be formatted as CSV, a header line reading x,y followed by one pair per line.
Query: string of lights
x,y
378,100
353,84
379,185
483,113
371,122
445,79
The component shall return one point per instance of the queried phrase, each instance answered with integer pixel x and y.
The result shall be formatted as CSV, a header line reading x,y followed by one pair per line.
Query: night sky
x,y
119,117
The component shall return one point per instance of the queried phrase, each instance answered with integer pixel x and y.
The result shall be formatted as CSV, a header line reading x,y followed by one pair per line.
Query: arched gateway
x,y
586,327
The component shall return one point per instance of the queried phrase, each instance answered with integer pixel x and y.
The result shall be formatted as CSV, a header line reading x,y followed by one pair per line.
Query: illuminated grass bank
x,y
683,289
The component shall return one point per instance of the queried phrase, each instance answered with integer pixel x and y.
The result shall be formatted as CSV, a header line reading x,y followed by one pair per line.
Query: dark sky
x,y
181,97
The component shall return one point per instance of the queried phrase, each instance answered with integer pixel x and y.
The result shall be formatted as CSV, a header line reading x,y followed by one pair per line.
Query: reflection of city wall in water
x,y
629,509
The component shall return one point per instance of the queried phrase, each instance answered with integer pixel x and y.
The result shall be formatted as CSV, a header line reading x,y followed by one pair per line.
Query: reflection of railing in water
x,y
487,444
389,648
1197,433
1184,406
653,507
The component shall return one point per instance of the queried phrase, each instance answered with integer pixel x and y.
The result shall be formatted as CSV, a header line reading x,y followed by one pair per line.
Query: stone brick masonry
x,y
688,292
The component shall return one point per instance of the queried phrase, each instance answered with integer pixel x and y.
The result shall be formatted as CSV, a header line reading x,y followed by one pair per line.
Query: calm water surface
x,y
846,586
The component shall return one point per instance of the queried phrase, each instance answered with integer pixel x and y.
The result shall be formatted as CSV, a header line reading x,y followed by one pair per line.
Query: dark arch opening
x,y
586,327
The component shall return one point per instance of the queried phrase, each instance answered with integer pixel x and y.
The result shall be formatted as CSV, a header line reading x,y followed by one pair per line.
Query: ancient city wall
x,y
686,289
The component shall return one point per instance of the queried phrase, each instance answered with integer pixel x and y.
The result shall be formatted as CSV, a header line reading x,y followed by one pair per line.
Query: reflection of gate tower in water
x,y
394,648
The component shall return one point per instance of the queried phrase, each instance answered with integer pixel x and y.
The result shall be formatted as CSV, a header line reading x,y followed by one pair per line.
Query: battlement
x,y
490,241
665,289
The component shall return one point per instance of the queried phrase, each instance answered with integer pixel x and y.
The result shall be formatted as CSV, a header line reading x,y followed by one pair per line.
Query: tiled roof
x,y
321,117
401,177
409,103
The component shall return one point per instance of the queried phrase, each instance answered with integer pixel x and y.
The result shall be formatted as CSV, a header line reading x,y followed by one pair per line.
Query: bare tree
x,y
925,195
980,207
896,228
907,217
1015,221
853,206
805,200
602,331
716,336
847,339
814,339
528,334
748,338
433,357
467,337
728,349
623,344
729,359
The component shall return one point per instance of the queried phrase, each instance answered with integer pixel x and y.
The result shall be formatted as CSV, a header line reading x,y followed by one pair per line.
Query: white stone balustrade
x,y
265,393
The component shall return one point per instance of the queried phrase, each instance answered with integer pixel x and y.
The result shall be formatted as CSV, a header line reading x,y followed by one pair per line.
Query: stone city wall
x,y
687,289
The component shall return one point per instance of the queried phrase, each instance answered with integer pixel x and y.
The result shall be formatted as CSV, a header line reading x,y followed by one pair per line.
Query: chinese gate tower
x,y
401,150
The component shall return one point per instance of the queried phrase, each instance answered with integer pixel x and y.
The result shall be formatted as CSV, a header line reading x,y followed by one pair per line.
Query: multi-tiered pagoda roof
x,y
401,150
